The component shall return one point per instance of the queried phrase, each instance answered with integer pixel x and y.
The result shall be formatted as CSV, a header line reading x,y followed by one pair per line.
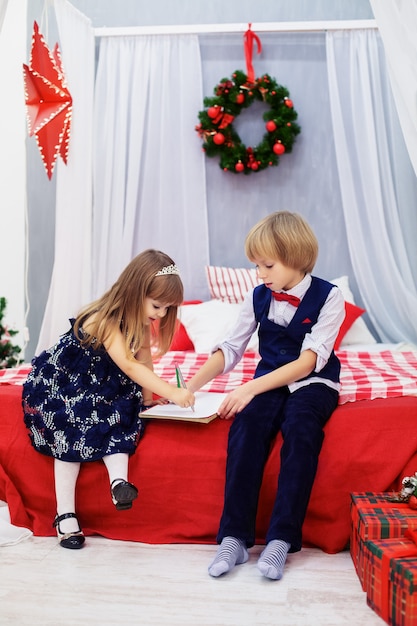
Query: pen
x,y
178,376
180,380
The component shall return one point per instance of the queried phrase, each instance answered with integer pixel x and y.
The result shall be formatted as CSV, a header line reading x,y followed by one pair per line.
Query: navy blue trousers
x,y
300,416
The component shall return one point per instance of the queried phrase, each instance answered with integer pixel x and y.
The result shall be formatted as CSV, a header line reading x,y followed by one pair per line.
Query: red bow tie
x,y
287,297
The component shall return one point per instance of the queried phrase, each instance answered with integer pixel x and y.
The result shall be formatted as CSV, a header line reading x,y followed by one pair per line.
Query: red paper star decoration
x,y
48,101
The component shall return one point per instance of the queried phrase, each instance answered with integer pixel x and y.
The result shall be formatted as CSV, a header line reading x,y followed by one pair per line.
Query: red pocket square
x,y
306,321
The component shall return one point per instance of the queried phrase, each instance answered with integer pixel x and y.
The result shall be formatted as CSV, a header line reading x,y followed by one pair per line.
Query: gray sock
x,y
231,552
272,560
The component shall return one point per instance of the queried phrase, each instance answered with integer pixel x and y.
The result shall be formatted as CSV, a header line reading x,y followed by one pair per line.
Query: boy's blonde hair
x,y
285,237
123,305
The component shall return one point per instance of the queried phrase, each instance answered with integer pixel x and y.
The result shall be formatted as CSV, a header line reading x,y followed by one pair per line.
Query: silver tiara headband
x,y
168,269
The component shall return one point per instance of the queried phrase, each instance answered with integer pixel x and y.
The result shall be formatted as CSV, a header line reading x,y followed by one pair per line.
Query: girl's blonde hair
x,y
285,237
123,305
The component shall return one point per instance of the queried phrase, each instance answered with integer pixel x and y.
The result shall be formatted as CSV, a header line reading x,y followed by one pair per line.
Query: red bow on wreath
x,y
225,119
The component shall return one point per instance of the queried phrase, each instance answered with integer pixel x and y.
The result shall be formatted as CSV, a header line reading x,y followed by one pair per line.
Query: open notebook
x,y
206,405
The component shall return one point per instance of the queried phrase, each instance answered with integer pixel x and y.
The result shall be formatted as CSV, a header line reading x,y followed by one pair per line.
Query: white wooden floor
x,y
115,582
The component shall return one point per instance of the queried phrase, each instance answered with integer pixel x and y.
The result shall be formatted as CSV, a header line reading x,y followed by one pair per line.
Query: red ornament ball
x,y
254,166
278,148
412,502
213,112
240,98
288,103
270,126
219,139
239,167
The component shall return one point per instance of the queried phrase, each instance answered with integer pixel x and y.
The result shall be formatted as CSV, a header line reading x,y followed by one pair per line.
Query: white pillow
x,y
343,283
230,284
209,323
358,333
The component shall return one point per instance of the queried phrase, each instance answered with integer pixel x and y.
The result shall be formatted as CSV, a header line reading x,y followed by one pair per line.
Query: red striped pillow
x,y
230,284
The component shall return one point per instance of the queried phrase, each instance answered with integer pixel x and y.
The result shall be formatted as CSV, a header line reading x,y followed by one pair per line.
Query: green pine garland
x,y
221,139
8,352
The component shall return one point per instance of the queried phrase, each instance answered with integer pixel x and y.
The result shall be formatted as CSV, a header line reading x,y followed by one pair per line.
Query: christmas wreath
x,y
220,137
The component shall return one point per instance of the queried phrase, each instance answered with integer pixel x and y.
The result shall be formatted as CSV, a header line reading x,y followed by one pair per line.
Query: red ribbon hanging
x,y
248,39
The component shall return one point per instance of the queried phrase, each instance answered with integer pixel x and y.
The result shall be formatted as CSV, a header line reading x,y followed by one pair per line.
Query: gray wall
x,y
145,13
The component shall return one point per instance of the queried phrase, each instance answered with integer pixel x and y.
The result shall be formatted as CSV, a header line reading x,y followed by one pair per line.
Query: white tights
x,y
66,475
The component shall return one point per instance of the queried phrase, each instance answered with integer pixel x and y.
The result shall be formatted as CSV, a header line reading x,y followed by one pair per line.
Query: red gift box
x,y
391,576
374,517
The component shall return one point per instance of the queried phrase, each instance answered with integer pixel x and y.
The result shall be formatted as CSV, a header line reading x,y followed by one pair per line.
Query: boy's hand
x,y
234,402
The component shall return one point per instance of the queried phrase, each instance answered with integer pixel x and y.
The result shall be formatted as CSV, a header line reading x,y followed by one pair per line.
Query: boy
x,y
294,390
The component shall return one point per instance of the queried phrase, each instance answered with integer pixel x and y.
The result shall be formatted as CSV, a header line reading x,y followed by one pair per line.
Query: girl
x,y
295,390
83,396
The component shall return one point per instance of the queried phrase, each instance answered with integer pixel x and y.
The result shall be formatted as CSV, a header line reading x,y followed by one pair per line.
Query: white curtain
x,y
365,152
71,278
149,185
3,8
397,23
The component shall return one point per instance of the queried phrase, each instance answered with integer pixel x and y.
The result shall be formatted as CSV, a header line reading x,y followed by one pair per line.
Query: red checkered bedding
x,y
387,374
14,375
364,375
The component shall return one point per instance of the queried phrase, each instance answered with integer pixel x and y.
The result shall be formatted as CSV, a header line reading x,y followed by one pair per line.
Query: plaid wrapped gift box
x,y
373,517
391,575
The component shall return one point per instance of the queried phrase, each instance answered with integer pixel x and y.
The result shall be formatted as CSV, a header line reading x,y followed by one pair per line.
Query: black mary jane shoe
x,y
123,494
73,540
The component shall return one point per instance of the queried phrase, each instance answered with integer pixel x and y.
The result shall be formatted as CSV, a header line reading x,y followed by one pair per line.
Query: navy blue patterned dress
x,y
78,405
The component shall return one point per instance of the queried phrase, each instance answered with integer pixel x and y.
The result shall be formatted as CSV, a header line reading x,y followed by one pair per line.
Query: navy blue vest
x,y
279,345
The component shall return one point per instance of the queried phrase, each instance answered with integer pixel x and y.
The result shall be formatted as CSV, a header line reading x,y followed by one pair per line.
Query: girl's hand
x,y
183,397
234,402
156,402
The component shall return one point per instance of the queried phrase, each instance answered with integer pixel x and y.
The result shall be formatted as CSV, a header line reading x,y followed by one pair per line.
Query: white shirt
x,y
320,340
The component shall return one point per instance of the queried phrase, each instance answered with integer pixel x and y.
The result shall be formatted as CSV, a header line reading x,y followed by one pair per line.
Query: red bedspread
x,y
179,470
